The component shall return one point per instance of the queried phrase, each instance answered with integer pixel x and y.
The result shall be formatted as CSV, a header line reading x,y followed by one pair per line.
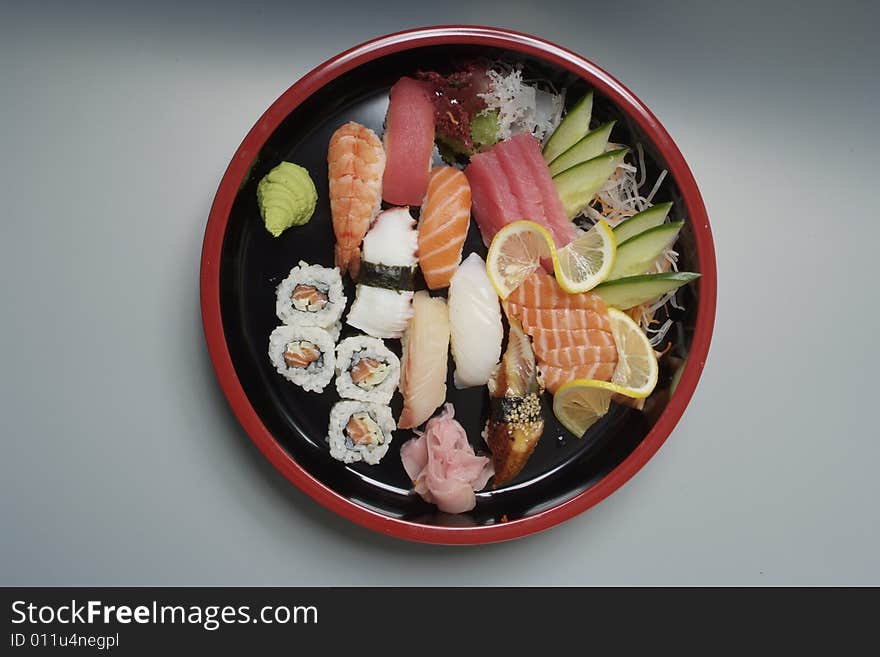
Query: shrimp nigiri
x,y
356,163
443,225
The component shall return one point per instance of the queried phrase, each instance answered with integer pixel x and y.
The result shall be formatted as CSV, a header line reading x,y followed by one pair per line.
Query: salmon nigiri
x,y
409,142
443,225
355,162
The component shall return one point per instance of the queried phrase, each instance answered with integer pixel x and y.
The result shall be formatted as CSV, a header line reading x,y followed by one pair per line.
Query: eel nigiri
x,y
355,163
409,142
516,420
475,317
423,366
443,225
383,305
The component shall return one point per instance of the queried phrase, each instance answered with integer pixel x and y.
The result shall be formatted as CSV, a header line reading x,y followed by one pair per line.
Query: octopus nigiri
x,y
356,163
516,420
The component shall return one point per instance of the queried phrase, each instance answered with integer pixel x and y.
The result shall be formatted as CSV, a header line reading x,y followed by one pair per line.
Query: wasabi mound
x,y
287,197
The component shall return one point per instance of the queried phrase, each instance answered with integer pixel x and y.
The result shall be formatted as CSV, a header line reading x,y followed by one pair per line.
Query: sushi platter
x,y
454,281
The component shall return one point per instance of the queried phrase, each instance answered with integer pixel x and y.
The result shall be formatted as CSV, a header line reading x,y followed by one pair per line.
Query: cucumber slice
x,y
627,292
578,185
637,254
591,145
639,223
572,128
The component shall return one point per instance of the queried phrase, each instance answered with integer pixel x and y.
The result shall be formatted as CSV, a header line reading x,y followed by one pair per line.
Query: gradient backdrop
x,y
121,463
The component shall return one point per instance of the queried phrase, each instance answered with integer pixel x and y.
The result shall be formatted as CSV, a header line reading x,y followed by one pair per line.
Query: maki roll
x,y
359,431
303,355
366,370
311,295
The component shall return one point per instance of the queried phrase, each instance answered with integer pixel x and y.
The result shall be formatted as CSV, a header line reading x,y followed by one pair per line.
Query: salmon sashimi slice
x,y
571,333
577,356
555,377
548,340
443,225
409,142
355,165
540,290
558,319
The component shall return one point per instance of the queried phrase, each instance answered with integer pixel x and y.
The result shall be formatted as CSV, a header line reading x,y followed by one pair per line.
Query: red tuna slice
x,y
409,143
554,217
492,202
519,178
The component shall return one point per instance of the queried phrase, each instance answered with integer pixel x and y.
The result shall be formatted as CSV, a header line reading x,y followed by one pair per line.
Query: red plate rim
x,y
216,229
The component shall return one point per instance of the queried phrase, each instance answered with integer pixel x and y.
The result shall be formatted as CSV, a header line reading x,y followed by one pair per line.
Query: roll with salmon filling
x,y
366,370
359,431
311,295
304,355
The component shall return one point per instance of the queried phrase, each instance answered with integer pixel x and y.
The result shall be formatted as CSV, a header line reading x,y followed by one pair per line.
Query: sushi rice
x,y
311,295
373,444
304,355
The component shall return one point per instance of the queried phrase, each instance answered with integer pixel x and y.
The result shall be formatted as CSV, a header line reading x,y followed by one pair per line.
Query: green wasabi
x,y
287,197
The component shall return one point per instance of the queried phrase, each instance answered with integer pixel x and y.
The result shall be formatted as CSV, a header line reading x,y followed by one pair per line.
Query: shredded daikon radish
x,y
656,336
521,107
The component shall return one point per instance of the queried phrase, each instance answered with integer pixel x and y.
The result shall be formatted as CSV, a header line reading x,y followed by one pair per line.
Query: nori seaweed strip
x,y
514,409
390,277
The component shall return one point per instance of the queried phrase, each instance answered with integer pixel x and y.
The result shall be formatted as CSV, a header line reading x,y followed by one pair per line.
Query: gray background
x,y
121,463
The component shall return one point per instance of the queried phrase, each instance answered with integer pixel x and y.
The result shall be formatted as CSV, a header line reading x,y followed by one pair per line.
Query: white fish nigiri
x,y
475,319
391,244
423,366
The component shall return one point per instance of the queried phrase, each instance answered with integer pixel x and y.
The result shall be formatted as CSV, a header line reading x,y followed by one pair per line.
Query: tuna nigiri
x,y
355,163
443,225
409,142
571,333
475,318
383,305
423,366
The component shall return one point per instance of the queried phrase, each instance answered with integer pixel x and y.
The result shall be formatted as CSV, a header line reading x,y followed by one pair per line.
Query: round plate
x,y
242,264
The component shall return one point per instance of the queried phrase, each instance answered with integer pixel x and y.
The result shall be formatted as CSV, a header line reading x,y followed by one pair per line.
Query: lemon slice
x,y
516,252
637,370
580,403
517,249
587,261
